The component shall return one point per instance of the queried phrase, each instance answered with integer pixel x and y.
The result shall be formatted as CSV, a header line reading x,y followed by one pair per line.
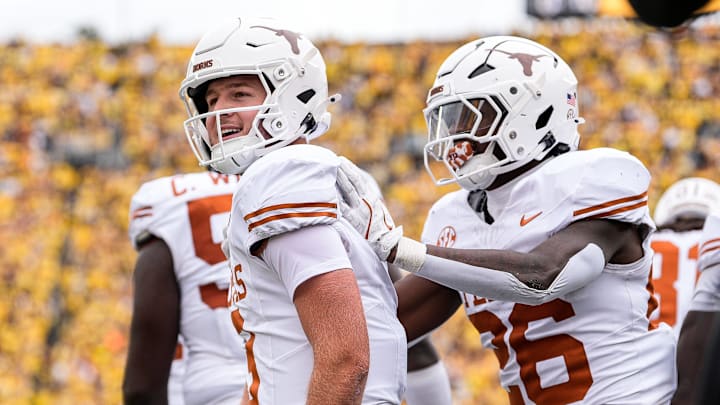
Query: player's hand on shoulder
x,y
363,207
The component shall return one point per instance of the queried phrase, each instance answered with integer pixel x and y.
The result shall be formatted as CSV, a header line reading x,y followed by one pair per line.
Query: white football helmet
x,y
291,70
692,197
498,103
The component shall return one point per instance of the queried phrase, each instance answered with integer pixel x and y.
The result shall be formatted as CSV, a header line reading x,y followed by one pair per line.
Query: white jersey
x,y
189,212
674,274
177,373
707,292
287,190
596,344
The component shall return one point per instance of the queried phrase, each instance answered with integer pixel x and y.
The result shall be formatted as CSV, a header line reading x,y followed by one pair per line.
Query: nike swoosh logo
x,y
524,221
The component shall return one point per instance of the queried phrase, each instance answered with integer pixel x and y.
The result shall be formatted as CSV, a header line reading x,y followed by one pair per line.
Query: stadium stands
x,y
82,125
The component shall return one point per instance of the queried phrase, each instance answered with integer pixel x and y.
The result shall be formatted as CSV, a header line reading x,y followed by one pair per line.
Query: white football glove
x,y
362,205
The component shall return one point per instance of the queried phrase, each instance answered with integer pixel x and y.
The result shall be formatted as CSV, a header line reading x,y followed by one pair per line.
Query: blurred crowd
x,y
82,125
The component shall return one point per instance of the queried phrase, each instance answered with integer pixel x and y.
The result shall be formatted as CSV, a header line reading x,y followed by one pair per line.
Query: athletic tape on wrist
x,y
410,254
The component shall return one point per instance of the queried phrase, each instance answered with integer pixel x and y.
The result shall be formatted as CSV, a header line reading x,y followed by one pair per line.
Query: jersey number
x,y
530,352
200,212
665,285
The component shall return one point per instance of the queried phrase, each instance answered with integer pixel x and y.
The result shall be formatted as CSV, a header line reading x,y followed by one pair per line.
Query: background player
x,y
180,288
679,216
696,360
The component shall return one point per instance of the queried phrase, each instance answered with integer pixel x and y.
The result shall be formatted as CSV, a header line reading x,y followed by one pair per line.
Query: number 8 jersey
x,y
674,274
188,212
595,345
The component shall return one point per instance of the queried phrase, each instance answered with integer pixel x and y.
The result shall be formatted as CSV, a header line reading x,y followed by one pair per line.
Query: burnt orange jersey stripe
x,y
291,215
239,322
706,246
709,249
609,204
292,205
613,212
141,215
252,367
142,212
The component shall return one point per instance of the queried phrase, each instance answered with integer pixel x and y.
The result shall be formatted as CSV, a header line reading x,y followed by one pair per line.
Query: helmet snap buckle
x,y
277,125
280,73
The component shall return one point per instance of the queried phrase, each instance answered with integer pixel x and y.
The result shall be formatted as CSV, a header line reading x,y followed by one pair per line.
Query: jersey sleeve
x,y
306,253
147,210
709,255
291,188
614,185
707,290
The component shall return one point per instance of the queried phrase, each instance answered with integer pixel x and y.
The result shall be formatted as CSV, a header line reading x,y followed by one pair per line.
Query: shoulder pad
x,y
614,185
290,188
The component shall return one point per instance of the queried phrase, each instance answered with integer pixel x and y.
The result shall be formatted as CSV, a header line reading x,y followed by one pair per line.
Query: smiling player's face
x,y
233,92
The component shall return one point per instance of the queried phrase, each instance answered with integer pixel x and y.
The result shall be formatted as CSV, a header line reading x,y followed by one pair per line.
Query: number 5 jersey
x,y
189,213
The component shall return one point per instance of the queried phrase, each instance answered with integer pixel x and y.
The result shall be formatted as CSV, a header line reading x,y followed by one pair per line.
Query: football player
x,y
679,216
698,346
180,289
545,247
315,305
